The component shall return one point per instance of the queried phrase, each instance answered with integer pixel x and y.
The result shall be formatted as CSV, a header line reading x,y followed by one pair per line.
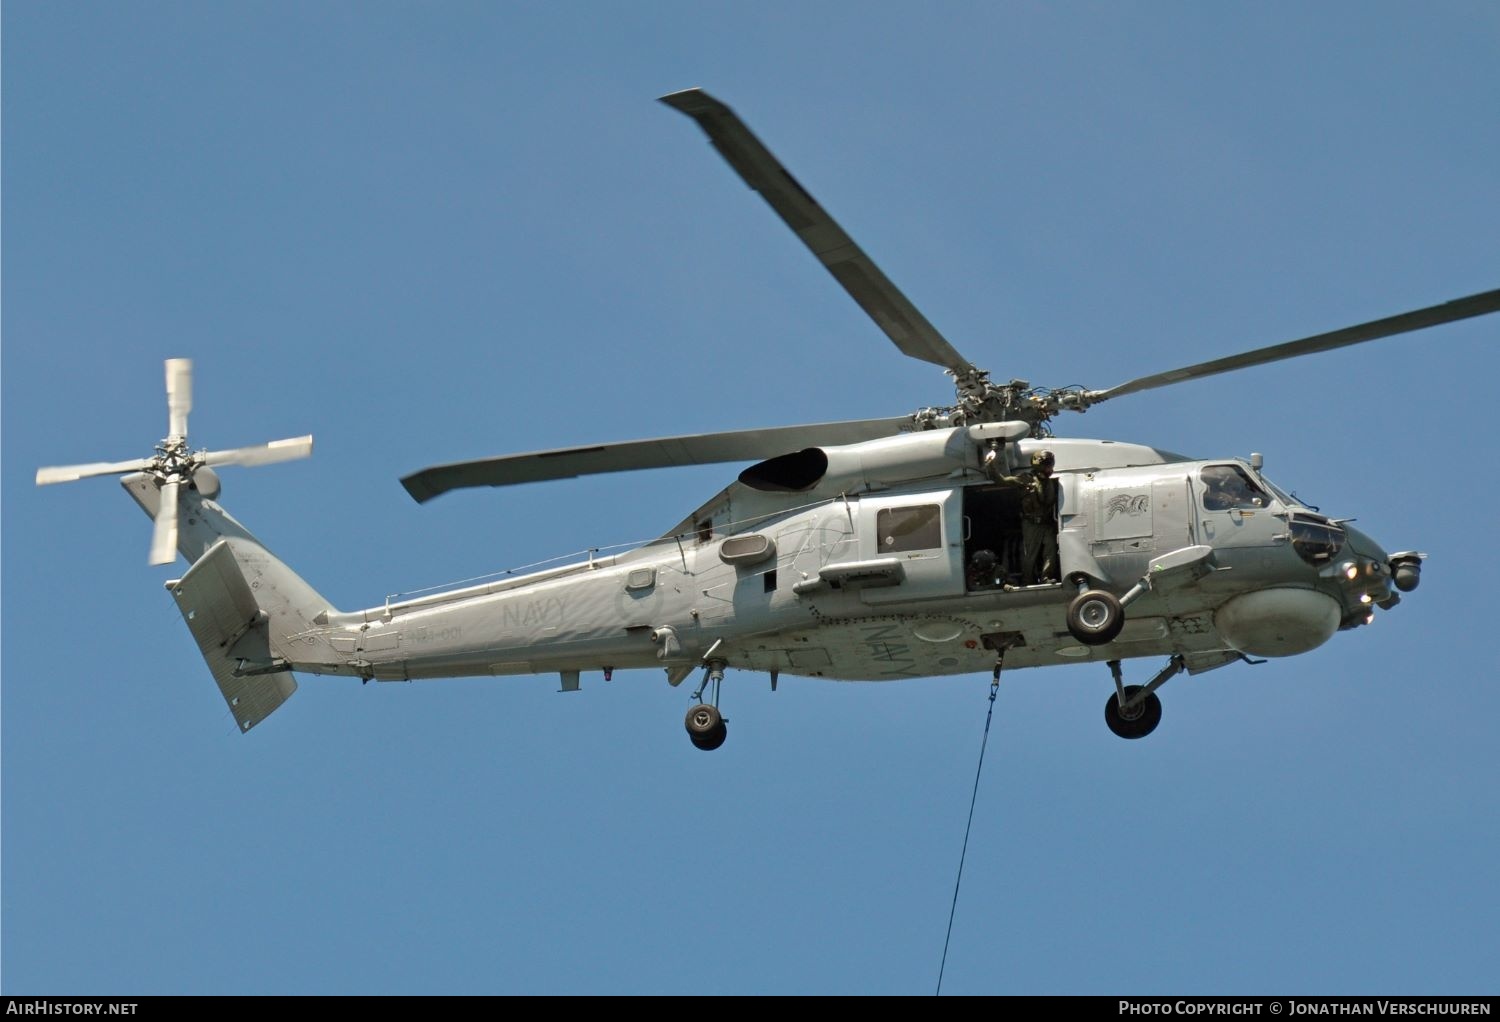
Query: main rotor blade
x,y
68,473
179,395
164,534
261,454
658,452
857,272
1419,319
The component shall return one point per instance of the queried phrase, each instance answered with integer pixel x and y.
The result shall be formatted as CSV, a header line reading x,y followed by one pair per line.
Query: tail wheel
x,y
1139,721
705,727
712,740
1095,617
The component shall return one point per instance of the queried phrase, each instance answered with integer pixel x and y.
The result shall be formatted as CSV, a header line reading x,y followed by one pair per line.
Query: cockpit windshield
x,y
1227,487
1282,495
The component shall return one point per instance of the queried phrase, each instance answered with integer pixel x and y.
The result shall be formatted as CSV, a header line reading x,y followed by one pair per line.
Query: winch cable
x,y
994,690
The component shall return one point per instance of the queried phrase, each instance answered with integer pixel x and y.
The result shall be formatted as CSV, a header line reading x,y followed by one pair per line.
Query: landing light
x,y
1366,598
1369,617
1351,570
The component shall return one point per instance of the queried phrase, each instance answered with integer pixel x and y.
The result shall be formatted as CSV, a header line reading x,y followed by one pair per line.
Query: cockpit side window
x,y
1226,487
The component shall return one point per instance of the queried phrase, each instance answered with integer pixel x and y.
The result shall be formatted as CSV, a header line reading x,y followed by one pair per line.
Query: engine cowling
x,y
884,462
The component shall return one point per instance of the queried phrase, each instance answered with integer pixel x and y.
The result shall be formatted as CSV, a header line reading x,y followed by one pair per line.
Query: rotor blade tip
x,y
420,489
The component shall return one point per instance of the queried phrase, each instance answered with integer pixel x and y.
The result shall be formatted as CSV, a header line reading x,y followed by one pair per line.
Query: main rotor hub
x,y
979,400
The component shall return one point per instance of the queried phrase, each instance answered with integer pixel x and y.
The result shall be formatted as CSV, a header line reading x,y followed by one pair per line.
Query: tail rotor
x,y
164,532
179,396
174,464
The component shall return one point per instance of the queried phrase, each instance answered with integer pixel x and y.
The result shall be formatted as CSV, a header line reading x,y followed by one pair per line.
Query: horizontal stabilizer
x,y
234,636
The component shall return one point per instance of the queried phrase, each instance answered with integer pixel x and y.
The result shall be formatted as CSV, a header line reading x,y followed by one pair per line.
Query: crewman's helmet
x,y
1041,458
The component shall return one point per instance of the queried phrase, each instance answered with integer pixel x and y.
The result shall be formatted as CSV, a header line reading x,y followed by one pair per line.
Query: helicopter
x,y
955,539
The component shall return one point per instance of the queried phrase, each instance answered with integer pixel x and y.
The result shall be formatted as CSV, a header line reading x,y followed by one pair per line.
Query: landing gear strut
x,y
705,724
1134,710
1096,616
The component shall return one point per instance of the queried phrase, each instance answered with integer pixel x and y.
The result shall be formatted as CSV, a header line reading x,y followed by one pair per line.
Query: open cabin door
x,y
923,532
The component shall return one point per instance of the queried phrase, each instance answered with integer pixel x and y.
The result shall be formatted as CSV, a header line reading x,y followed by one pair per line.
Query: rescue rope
x,y
994,690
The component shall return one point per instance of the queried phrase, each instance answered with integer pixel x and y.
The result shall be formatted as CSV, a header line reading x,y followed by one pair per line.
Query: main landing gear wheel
x,y
1095,617
705,727
1139,721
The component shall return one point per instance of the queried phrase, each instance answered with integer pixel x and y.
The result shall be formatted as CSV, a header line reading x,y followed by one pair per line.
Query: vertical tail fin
x,y
235,635
253,617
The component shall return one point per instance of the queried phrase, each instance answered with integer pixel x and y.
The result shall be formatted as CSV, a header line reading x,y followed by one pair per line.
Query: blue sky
x,y
431,232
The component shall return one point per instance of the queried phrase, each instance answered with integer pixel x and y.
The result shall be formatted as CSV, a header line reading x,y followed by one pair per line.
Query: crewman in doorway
x,y
982,567
1038,520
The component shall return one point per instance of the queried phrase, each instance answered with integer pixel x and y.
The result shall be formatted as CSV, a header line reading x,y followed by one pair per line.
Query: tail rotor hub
x,y
174,464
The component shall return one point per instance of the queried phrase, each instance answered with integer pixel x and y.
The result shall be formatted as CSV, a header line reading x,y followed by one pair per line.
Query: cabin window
x,y
1226,487
751,548
899,529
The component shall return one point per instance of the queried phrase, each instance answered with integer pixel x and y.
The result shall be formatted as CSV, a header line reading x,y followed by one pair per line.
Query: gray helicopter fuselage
x,y
899,547
854,563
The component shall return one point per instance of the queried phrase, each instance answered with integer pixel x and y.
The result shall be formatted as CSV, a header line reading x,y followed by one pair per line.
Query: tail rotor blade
x,y
262,454
164,535
179,395
69,473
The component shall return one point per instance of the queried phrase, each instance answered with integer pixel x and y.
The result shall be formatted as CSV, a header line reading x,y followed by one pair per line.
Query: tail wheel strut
x,y
705,724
